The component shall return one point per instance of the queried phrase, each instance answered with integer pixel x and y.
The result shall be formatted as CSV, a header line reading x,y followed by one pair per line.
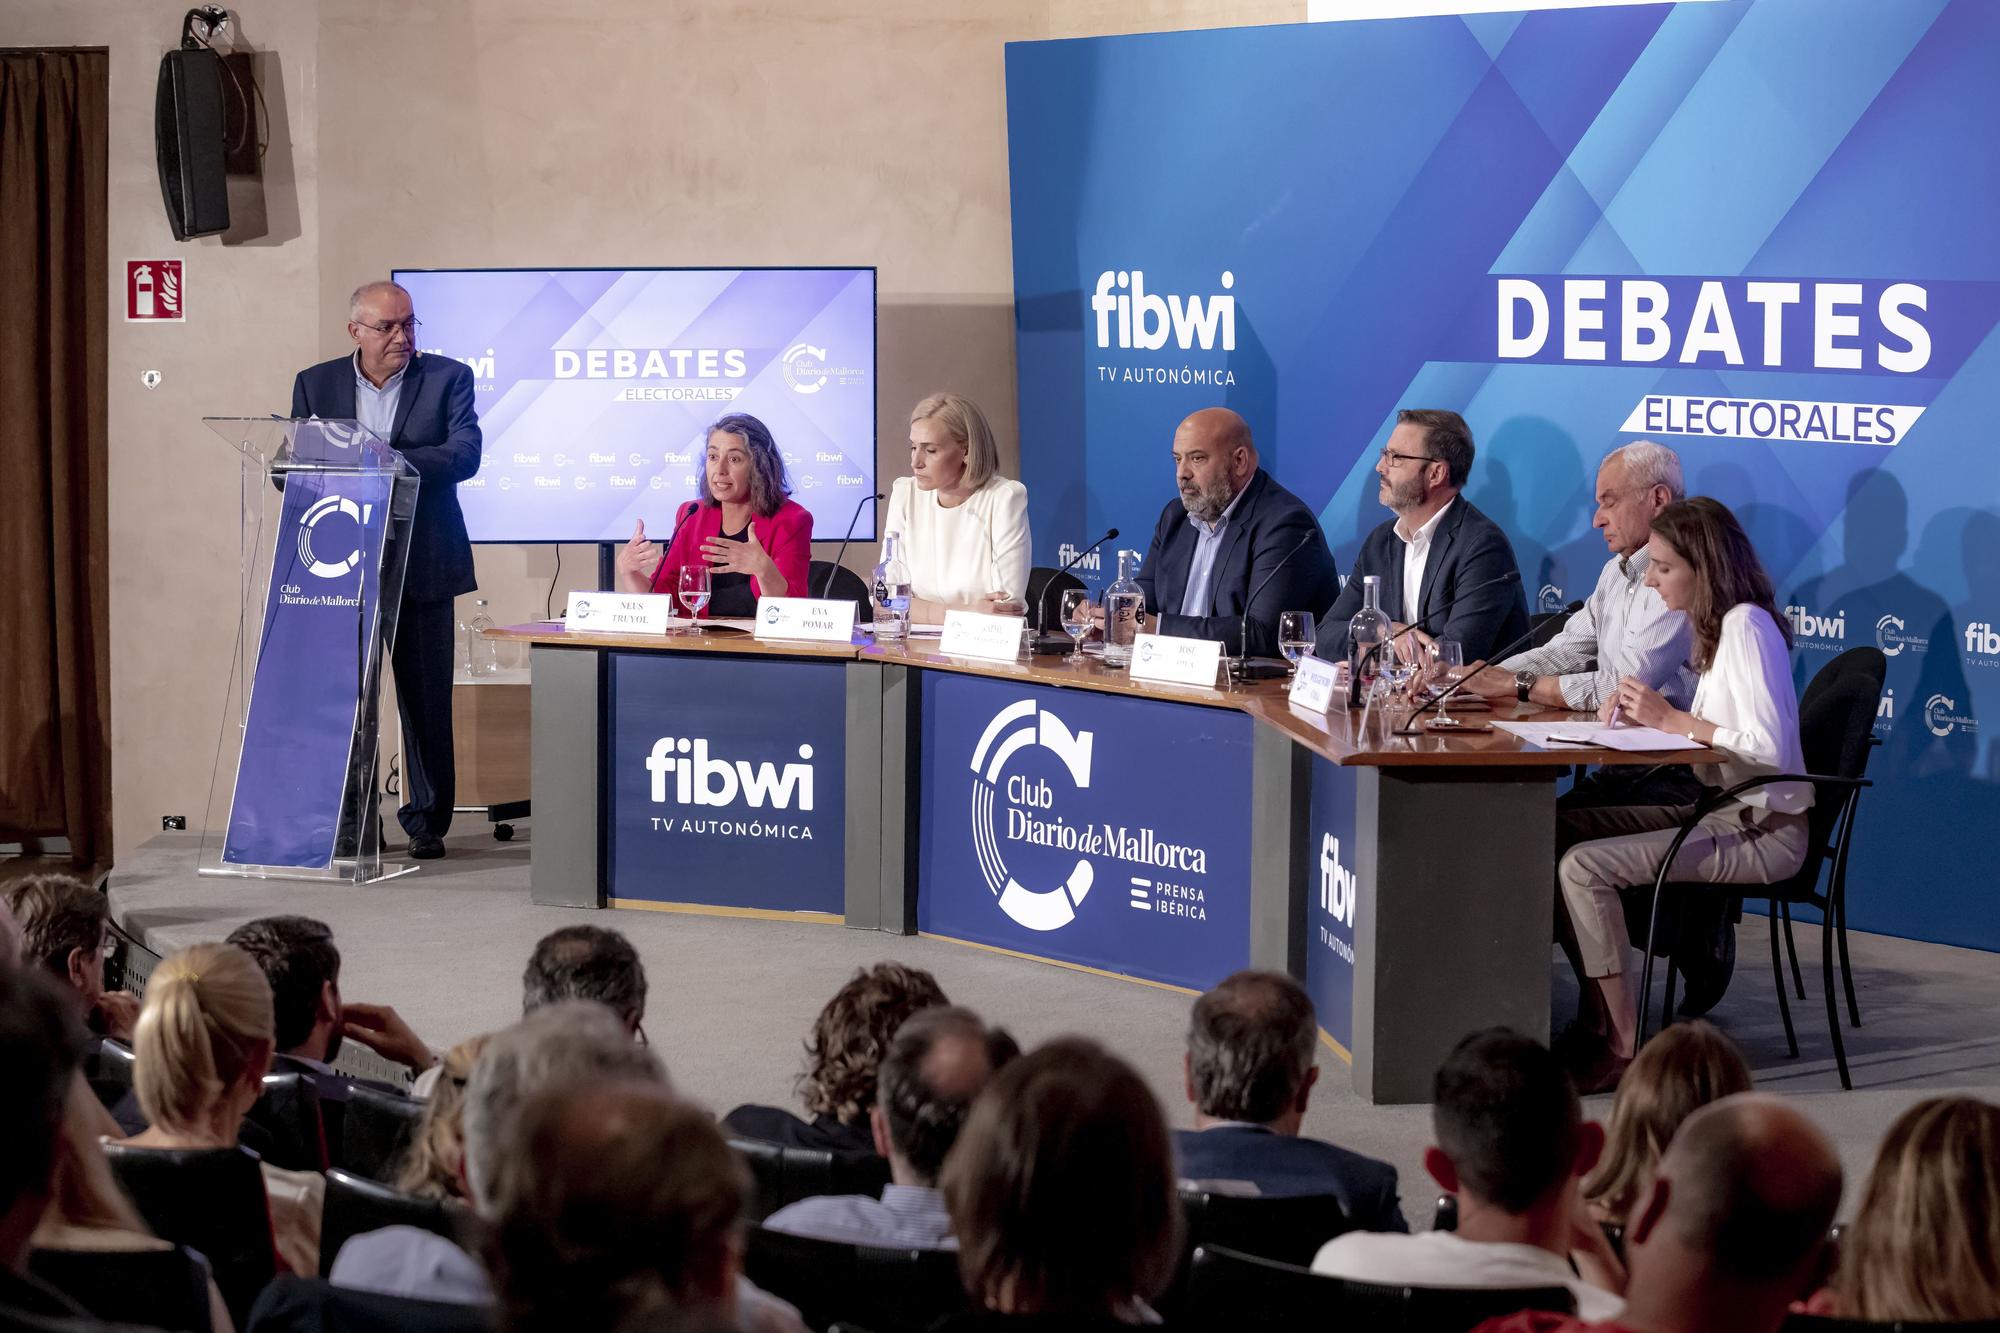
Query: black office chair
x,y
1288,1230
1046,581
887,1290
1231,1290
108,1067
162,1288
294,1130
355,1205
311,1305
785,1175
1543,626
1836,733
827,580
376,1131
210,1200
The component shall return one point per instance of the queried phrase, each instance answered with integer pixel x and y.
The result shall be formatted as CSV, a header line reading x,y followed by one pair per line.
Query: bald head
x,y
1752,1186
1214,458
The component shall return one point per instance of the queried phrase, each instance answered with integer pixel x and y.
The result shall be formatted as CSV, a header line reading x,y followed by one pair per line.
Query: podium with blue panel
x,y
1063,814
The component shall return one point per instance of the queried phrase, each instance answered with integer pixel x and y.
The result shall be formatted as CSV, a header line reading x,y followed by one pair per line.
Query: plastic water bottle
x,y
463,644
485,652
1123,601
891,593
1367,637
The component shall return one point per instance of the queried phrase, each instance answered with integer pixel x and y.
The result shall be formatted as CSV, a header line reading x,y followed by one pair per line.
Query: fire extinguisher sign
x,y
154,292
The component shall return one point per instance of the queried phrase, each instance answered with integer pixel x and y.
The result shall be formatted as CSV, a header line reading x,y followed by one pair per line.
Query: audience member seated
x,y
848,1041
578,963
1731,1232
1061,1191
10,935
40,1049
1924,1246
936,1064
612,1201
568,1045
1512,1145
1676,1074
204,1042
65,927
433,1167
1250,1072
299,958
87,1212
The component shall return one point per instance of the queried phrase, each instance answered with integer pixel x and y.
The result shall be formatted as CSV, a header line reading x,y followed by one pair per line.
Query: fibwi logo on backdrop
x,y
1129,317
1066,552
1982,644
1941,715
1017,819
1813,630
1892,638
1338,892
683,772
1885,711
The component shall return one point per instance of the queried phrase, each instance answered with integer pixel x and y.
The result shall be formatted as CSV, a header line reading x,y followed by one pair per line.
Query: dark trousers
x,y
422,662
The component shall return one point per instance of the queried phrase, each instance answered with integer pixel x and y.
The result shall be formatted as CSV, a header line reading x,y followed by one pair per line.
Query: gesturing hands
x,y
745,557
637,561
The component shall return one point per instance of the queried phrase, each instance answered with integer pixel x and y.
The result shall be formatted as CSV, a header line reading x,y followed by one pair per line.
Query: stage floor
x,y
731,999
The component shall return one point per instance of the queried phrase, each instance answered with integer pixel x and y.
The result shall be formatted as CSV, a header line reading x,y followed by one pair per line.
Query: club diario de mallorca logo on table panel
x,y
1016,809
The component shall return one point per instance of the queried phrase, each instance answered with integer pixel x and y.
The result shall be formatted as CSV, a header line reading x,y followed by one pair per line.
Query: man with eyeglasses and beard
x,y
422,405
1436,550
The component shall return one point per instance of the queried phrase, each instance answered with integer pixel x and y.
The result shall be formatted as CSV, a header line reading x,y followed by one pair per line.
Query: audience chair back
x,y
841,584
312,1305
1289,1230
1231,1290
210,1200
355,1205
785,1175
289,1114
884,1290
376,1131
161,1288
109,1069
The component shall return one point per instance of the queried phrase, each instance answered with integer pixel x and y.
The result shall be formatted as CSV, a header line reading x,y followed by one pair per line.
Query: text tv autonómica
x,y
596,388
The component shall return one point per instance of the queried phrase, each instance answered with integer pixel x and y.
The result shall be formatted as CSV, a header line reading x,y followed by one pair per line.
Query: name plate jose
x,y
830,620
620,612
1179,661
970,634
1317,684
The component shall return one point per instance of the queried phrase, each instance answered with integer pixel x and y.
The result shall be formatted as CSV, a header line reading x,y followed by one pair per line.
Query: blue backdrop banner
x,y
726,782
1089,828
1760,232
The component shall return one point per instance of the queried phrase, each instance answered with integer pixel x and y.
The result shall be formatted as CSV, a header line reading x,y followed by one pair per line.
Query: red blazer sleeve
x,y
692,526
787,539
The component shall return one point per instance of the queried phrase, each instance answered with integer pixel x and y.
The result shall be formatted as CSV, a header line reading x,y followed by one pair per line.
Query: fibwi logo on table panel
x,y
1339,892
684,773
1016,814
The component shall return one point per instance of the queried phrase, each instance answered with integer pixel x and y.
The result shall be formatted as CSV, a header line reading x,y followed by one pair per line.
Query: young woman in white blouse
x,y
963,528
1702,564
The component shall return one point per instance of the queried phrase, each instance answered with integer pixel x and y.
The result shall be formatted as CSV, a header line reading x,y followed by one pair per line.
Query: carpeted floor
x,y
732,999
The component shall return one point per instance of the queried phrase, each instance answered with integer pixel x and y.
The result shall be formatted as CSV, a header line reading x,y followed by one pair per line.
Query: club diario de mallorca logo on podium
x,y
1020,811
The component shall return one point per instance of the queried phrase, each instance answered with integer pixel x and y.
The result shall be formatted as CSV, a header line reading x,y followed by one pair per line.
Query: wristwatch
x,y
1524,681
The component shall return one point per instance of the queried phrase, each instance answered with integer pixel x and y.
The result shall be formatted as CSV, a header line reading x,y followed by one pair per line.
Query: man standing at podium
x,y
422,405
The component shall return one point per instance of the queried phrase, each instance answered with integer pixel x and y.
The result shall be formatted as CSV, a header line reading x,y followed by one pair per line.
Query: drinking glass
x,y
694,591
1399,666
1076,620
1295,637
1447,656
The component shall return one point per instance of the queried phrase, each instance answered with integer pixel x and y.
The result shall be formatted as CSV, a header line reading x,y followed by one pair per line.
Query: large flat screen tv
x,y
596,387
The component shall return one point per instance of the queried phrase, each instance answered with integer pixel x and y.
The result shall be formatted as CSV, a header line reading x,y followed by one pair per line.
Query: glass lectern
x,y
326,512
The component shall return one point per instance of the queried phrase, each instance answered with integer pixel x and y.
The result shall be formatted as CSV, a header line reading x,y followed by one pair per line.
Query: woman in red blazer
x,y
756,541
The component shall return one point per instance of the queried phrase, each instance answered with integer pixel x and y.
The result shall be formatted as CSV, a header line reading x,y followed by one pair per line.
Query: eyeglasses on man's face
x,y
1390,458
408,326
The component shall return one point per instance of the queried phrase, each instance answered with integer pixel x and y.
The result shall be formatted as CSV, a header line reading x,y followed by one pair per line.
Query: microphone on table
x,y
1042,603
1409,727
1241,667
1421,623
827,586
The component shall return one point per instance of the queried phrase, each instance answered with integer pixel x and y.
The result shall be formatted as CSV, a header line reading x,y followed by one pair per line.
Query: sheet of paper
x,y
1556,735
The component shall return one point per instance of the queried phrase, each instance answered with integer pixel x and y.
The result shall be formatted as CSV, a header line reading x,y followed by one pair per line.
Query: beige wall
x,y
470,132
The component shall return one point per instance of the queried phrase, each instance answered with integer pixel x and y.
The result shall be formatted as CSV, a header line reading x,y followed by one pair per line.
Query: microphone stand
x,y
1241,668
826,585
1410,728
1043,646
1421,623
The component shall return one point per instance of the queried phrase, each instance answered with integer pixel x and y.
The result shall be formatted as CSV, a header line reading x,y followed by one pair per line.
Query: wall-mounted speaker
x,y
189,121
